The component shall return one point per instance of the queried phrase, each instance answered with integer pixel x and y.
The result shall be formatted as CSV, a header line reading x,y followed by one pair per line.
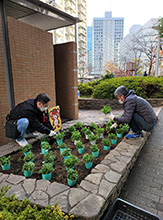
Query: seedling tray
x,y
122,210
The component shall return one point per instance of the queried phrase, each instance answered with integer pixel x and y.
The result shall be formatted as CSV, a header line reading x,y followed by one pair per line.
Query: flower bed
x,y
60,174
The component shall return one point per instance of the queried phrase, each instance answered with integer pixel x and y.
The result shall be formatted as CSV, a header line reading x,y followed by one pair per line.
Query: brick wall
x,y
32,62
66,79
4,107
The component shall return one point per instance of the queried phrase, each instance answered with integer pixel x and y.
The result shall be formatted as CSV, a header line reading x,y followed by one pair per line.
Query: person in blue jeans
x,y
138,113
31,115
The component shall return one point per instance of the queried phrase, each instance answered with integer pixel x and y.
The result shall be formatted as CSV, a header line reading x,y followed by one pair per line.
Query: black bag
x,y
11,129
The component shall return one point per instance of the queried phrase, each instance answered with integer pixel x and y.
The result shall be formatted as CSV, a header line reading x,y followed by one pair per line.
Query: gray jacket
x,y
135,104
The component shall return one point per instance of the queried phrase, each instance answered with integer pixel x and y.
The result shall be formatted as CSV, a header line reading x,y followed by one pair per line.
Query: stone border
x,y
97,104
92,196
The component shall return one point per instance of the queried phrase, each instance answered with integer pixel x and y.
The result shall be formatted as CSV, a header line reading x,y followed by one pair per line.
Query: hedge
x,y
11,208
146,87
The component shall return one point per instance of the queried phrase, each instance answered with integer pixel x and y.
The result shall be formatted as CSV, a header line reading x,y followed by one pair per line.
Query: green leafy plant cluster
x,y
66,152
48,157
71,129
59,136
72,174
106,142
93,137
75,136
26,148
112,136
46,168
62,145
99,131
29,157
28,166
72,161
78,125
45,146
4,160
106,109
79,144
87,158
94,148
11,208
93,125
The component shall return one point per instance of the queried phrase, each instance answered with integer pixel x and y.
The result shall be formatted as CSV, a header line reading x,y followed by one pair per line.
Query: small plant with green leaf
x,y
99,131
44,139
4,160
78,125
106,142
26,148
125,128
94,148
93,125
87,158
108,125
59,136
71,162
66,152
75,136
28,166
93,137
49,157
112,136
62,145
83,130
29,157
88,132
46,168
79,144
72,175
46,146
119,130
71,129
106,109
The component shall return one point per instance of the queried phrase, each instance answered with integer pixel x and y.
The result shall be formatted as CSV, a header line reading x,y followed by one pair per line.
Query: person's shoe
x,y
134,136
31,135
22,143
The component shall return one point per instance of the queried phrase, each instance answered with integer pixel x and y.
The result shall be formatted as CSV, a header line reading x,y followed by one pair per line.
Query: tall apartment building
x,y
107,32
76,8
89,49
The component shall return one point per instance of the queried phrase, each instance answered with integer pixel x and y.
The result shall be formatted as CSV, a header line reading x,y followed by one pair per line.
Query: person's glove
x,y
110,116
113,126
52,133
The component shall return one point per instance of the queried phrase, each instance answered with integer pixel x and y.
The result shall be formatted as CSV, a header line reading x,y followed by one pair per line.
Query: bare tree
x,y
146,45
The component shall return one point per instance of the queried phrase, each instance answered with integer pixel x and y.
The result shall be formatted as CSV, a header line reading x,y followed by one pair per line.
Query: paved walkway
x,y
144,186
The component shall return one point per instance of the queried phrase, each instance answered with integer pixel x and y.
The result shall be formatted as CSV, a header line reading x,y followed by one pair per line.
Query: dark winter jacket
x,y
28,109
135,104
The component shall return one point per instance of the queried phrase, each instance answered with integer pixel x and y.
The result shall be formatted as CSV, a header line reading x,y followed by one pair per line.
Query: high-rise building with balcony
x,y
76,8
107,32
89,49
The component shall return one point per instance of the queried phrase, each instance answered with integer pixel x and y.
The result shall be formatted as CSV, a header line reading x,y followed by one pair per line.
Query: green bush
x,y
146,87
11,208
85,89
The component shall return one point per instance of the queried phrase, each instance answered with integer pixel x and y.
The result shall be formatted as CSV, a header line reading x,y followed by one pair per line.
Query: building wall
x,y
32,63
4,107
66,79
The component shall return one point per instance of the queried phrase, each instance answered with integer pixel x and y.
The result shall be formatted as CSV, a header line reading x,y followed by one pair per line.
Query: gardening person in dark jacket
x,y
138,113
31,115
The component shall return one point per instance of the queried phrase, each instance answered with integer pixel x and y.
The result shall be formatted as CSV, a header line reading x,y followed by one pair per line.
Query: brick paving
x,y
144,187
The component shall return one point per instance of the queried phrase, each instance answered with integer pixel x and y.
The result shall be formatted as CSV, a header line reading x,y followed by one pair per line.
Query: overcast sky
x,y
134,12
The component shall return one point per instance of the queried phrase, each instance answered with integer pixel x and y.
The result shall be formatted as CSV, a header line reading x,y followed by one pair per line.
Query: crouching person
x,y
27,117
138,113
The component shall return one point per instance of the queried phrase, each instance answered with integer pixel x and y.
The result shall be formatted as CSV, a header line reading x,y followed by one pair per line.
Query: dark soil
x,y
59,174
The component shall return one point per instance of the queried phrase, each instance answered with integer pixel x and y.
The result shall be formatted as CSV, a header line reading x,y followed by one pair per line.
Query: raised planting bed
x,y
60,174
